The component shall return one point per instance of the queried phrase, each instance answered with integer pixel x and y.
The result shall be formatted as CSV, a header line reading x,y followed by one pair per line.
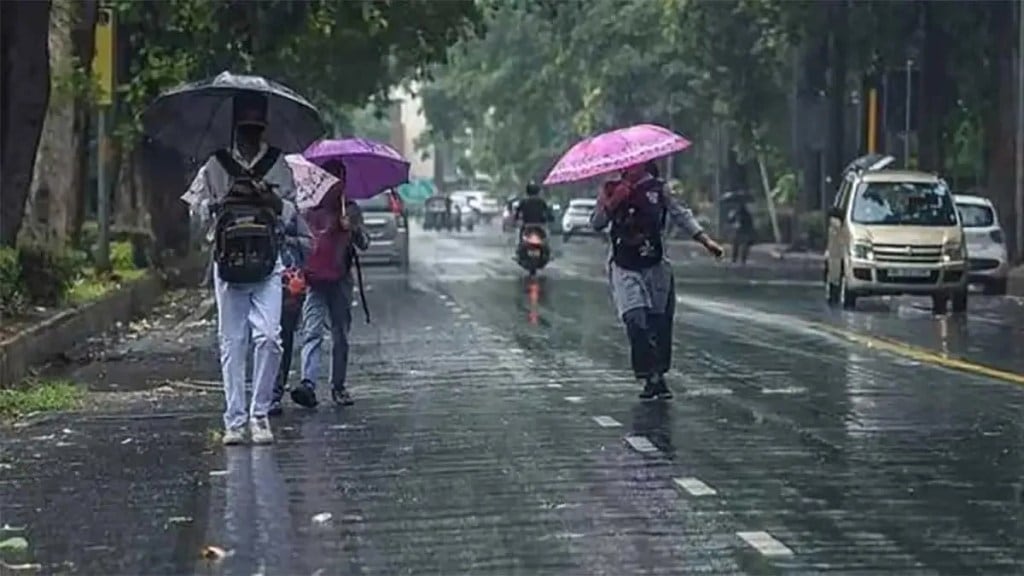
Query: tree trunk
x,y
934,100
999,129
83,47
24,97
163,179
838,16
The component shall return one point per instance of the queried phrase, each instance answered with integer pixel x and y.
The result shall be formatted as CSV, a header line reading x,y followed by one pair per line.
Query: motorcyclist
x,y
533,210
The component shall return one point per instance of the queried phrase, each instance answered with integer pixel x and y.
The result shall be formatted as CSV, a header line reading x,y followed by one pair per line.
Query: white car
x,y
987,260
576,219
482,201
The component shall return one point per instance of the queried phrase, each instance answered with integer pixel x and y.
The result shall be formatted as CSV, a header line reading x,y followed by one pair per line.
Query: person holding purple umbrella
x,y
337,229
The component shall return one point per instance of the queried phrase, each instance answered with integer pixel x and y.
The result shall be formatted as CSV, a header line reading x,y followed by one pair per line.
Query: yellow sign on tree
x,y
103,58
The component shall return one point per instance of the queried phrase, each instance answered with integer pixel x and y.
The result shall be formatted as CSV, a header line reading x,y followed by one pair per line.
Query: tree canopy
x,y
546,73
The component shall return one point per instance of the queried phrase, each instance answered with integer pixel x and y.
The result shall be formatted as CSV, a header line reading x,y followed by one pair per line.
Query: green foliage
x,y
39,396
48,274
11,287
122,256
335,52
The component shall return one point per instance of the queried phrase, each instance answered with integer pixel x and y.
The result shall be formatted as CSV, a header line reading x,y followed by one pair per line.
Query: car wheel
x,y
996,287
960,301
846,298
940,303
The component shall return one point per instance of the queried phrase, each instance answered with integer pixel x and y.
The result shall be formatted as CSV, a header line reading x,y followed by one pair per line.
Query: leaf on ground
x,y
16,543
214,553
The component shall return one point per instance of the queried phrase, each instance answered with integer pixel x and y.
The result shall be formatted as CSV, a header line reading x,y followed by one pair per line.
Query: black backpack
x,y
247,235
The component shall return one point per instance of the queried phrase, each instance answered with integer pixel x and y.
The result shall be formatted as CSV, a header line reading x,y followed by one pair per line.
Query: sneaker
x,y
259,428
650,391
275,408
304,394
234,437
342,397
661,389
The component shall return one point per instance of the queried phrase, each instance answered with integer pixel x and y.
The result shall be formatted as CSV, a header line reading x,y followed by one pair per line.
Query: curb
x,y
48,339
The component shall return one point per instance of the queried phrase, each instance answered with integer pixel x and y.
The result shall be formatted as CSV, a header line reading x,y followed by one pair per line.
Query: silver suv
x,y
387,223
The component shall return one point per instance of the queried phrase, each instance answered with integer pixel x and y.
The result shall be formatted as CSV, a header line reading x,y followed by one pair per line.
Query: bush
x,y
11,288
122,255
48,274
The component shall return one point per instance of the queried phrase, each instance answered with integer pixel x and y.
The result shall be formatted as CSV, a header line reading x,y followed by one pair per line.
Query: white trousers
x,y
243,309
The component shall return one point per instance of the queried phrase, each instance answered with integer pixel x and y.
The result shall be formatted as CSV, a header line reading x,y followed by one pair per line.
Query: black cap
x,y
249,108
532,189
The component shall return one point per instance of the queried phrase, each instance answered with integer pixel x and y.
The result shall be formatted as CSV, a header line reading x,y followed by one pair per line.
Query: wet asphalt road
x,y
497,431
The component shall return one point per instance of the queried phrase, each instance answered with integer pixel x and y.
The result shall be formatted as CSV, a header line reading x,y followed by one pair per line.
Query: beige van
x,y
895,232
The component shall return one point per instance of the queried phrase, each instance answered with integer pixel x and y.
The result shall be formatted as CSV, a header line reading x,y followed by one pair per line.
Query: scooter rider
x,y
533,210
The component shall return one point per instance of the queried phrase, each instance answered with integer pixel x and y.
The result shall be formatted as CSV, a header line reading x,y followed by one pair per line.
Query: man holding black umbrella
x,y
251,190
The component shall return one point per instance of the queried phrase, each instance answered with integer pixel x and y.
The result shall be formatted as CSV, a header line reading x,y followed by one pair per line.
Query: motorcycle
x,y
533,252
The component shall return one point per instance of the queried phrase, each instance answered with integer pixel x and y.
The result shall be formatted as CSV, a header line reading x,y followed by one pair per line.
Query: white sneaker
x,y
234,437
259,428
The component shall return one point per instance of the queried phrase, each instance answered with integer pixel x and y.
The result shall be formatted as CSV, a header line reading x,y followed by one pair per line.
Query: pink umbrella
x,y
614,151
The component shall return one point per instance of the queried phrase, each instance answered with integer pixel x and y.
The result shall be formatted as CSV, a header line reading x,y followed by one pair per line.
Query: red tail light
x,y
395,203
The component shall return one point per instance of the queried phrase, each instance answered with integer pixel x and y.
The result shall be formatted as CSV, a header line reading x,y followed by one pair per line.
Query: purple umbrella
x,y
370,167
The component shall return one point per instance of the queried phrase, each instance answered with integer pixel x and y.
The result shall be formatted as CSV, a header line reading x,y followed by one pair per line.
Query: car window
x,y
975,216
377,203
904,203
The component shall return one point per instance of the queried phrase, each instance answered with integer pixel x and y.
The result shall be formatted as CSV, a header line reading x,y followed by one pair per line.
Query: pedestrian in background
x,y
337,231
293,295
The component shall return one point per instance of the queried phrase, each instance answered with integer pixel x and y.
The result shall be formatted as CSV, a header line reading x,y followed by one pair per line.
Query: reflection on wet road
x,y
497,431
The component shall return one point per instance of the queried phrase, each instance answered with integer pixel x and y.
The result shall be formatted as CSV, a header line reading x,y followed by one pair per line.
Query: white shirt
x,y
212,183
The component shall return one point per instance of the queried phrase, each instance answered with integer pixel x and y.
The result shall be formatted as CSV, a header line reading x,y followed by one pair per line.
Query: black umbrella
x,y
196,119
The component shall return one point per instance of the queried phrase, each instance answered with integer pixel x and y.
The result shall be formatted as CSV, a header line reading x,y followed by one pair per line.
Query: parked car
x,y
987,261
387,223
576,219
435,216
895,232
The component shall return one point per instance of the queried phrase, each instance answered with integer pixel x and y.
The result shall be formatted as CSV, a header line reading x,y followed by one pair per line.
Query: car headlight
x,y
862,251
954,252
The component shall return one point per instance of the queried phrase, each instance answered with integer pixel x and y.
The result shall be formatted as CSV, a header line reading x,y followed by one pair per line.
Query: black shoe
x,y
342,397
650,391
661,389
275,408
304,395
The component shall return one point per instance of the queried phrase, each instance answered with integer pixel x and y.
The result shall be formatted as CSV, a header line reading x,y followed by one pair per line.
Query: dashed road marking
x,y
641,444
574,399
765,543
554,385
607,422
709,391
788,390
465,316
694,486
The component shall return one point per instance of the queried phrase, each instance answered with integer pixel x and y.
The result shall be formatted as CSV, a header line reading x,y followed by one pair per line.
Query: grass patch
x,y
92,286
39,396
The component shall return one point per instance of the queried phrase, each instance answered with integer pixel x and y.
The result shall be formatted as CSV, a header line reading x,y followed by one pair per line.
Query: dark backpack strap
x,y
261,168
230,165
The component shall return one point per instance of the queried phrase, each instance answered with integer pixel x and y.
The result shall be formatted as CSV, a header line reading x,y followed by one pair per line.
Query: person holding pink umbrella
x,y
636,207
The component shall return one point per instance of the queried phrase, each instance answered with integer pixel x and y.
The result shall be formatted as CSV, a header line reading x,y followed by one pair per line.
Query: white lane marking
x,y
574,399
709,391
641,444
606,422
765,543
553,385
695,487
787,390
465,316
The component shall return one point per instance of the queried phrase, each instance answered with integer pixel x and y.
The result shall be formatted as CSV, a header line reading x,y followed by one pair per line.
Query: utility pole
x,y
906,118
1020,134
103,68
